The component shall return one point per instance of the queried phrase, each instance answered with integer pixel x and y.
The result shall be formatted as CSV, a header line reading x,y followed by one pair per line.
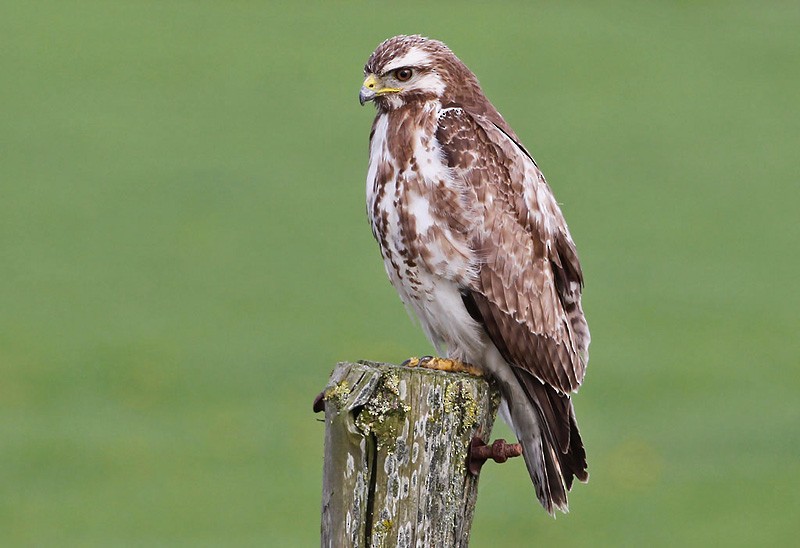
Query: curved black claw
x,y
416,362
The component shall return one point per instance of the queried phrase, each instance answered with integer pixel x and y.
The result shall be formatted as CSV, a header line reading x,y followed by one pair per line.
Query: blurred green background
x,y
184,257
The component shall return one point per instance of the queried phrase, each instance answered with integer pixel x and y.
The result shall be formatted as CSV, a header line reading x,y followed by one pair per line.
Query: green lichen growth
x,y
384,414
459,401
338,393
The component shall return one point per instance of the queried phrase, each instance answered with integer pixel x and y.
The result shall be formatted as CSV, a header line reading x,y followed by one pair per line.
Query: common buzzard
x,y
476,245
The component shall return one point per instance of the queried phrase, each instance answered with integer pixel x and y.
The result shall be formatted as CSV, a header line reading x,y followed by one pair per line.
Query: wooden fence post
x,y
396,445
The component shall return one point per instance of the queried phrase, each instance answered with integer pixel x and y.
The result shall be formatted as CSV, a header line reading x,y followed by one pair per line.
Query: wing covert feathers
x,y
526,294
529,282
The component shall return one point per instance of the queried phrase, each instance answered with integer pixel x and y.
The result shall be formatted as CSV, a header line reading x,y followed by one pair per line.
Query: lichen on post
x,y
396,445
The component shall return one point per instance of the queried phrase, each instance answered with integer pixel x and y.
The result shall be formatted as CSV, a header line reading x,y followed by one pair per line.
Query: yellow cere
x,y
372,82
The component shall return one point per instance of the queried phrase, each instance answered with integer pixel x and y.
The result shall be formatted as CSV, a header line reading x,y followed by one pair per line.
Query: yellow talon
x,y
443,364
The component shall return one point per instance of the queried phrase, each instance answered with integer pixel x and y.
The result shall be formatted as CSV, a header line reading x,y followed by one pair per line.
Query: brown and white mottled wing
x,y
526,294
529,284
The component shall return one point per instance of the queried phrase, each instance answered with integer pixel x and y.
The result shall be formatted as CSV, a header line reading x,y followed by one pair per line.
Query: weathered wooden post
x,y
396,446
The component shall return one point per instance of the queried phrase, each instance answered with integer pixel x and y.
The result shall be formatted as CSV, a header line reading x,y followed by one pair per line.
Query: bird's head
x,y
408,69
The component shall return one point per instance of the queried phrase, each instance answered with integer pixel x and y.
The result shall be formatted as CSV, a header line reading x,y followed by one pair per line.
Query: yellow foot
x,y
443,364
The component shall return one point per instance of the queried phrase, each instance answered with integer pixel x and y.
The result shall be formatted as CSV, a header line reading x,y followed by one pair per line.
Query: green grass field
x,y
184,257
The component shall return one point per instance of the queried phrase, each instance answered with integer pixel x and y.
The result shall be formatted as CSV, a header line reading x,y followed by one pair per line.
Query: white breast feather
x,y
436,300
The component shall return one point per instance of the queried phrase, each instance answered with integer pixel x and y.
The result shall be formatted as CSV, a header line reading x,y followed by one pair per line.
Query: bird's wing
x,y
528,287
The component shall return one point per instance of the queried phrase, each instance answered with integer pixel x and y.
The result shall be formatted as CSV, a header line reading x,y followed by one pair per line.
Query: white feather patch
x,y
415,57
377,153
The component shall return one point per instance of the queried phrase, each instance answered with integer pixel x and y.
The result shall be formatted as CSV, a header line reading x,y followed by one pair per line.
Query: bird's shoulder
x,y
481,139
495,167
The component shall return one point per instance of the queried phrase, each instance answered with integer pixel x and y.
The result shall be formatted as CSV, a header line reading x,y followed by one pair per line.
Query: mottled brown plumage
x,y
476,245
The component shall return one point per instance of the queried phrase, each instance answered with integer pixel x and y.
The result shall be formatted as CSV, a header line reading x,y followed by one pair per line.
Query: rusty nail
x,y
499,451
319,403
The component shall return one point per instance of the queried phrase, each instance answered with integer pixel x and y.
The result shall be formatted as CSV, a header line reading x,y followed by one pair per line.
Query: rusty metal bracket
x,y
499,451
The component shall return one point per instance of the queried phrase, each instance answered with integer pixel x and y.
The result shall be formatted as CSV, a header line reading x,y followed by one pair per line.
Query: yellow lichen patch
x,y
380,530
494,394
459,400
384,413
337,394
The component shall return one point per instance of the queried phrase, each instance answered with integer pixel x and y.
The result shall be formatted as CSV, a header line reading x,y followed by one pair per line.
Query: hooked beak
x,y
365,95
372,88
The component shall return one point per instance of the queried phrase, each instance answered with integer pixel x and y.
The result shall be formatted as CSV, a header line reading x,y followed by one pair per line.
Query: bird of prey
x,y
476,245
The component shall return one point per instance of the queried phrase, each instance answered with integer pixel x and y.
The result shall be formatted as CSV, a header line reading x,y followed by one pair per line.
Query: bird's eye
x,y
403,74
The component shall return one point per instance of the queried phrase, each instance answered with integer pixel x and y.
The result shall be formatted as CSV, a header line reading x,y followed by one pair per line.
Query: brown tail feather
x,y
542,418
562,454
